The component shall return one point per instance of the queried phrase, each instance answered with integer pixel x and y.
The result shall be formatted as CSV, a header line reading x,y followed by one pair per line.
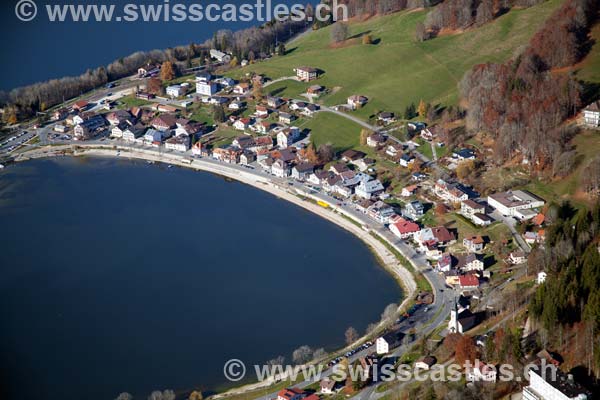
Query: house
x,y
302,171
280,169
425,362
242,124
309,110
116,117
481,372
338,168
408,191
261,111
297,105
368,189
148,70
406,160
538,220
286,118
164,122
375,140
474,244
144,95
352,155
306,74
380,212
464,154
468,282
386,117
88,128
165,108
205,87
541,277
275,102
262,143
328,386
387,342
219,56
174,91
178,143
591,114
187,127
263,127
394,150
517,257
228,155
225,81
247,158
80,105
364,163
318,177
117,131
291,394
243,142
287,137
452,192
512,203
553,386
404,229
59,114
469,262
481,219
469,207
60,128
315,90
413,210
241,88
236,105
356,101
461,319
134,132
444,264
154,137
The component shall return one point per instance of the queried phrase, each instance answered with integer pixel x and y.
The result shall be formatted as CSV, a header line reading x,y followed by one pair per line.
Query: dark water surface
x,y
123,276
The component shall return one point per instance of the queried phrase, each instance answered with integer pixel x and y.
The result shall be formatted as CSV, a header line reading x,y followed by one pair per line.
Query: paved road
x,y
511,223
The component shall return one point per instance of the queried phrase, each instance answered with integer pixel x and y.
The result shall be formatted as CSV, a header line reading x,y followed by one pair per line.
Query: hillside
x,y
397,70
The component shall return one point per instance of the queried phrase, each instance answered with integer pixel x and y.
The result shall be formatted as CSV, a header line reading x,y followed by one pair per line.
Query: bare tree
x,y
351,335
124,396
319,353
389,313
302,354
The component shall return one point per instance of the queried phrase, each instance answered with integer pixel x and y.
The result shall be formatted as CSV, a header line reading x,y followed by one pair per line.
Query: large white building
x,y
591,114
516,203
542,386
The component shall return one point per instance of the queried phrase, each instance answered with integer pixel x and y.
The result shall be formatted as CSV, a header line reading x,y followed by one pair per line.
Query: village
x,y
474,245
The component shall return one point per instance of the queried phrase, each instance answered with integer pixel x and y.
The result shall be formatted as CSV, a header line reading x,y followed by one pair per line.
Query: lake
x,y
40,50
118,275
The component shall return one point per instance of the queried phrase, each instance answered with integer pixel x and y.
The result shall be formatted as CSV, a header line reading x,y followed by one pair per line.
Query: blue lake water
x,y
122,276
39,50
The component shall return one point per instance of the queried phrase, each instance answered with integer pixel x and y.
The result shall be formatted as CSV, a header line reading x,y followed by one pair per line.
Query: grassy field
x,y
397,70
590,68
330,128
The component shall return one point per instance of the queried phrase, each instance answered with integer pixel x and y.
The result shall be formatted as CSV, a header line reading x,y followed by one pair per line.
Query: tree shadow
x,y
290,51
277,91
590,92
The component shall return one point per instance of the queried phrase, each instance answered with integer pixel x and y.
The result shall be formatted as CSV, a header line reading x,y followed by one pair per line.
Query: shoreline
x,y
385,258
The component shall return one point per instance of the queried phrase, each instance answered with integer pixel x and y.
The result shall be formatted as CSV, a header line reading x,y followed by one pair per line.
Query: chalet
x,y
352,155
380,212
427,134
356,101
236,105
280,169
470,207
408,191
287,154
591,114
452,192
261,111
413,210
481,372
275,102
387,342
297,106
517,257
164,122
287,137
425,362
59,114
306,74
186,127
474,244
134,132
149,70
464,154
178,143
438,236
444,264
406,160
302,171
515,203
315,90
375,140
144,95
80,105
286,118
338,168
404,229
263,127
117,131
243,142
369,189
328,386
469,262
174,91
481,219
291,394
394,150
309,110
241,88
247,158
242,124
262,142
386,117
115,118
363,164
318,177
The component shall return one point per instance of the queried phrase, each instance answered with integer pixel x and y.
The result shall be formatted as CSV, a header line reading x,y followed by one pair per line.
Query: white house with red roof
x,y
404,229
291,394
468,282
